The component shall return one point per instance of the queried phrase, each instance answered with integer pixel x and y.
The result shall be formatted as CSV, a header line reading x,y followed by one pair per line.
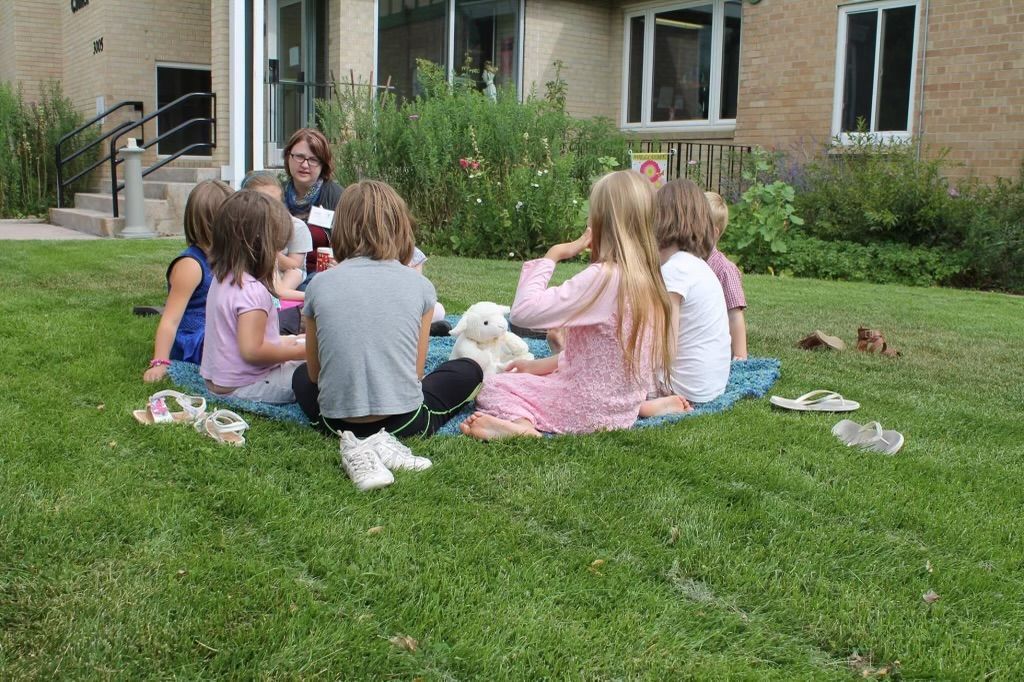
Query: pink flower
x,y
474,164
464,163
414,117
691,162
954,192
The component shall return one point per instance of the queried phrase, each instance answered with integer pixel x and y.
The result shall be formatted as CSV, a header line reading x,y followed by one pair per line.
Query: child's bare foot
x,y
670,404
485,427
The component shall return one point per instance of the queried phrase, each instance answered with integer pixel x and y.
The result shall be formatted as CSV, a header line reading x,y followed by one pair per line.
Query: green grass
x,y
748,544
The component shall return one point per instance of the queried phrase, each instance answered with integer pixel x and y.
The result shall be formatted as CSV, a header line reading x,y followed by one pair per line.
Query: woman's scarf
x,y
300,207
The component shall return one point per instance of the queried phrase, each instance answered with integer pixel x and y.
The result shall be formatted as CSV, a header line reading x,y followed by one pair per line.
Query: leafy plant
x,y
765,212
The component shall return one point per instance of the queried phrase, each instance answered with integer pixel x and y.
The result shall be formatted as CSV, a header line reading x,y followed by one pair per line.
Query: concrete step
x,y
160,215
88,221
180,174
155,189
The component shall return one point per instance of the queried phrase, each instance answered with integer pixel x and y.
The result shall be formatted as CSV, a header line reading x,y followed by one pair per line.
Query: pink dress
x,y
591,390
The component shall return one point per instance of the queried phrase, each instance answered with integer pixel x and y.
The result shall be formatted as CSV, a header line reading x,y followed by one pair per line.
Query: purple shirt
x,y
222,361
732,281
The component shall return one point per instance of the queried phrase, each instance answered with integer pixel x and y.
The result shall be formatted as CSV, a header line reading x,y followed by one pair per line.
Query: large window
x,y
682,65
461,35
875,63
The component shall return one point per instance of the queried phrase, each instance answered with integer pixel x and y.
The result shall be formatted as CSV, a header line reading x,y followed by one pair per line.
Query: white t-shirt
x,y
301,240
700,370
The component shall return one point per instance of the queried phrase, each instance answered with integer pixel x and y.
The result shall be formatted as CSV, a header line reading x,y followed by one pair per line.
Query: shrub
x,y
482,178
879,191
994,239
762,219
28,138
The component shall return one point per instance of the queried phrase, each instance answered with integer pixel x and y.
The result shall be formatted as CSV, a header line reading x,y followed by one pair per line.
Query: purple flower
x,y
954,192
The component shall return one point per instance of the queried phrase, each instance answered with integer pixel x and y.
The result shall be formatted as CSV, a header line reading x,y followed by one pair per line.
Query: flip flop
x,y
224,426
156,412
868,437
816,401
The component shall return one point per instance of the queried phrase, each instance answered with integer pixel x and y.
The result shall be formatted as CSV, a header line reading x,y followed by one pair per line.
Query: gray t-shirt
x,y
368,316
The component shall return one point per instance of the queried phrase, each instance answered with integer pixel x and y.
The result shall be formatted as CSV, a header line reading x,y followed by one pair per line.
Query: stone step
x,y
88,221
182,174
155,189
160,216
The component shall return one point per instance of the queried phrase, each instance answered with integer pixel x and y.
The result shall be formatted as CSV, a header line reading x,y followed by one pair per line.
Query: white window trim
x,y
450,47
840,72
713,124
156,98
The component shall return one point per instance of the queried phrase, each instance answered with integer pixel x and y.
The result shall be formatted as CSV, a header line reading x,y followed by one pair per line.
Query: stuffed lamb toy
x,y
483,336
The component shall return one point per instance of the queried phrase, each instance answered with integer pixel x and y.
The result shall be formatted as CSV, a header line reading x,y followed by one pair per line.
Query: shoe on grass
x,y
394,455
362,464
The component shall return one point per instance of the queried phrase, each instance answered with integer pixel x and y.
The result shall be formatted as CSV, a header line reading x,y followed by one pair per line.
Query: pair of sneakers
x,y
370,461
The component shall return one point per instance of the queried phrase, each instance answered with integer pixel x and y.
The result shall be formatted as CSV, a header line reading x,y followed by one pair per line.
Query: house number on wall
x,y
97,46
78,4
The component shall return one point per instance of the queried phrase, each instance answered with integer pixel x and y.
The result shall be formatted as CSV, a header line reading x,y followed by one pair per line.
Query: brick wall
x,y
220,75
583,35
29,36
351,39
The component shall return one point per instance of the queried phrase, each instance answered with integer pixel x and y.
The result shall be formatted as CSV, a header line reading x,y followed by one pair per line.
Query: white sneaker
x,y
362,465
394,455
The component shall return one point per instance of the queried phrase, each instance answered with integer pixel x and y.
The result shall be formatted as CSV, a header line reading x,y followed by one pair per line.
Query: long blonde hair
x,y
621,217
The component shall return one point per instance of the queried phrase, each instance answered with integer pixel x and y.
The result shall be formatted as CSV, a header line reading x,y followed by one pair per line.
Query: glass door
x,y
296,68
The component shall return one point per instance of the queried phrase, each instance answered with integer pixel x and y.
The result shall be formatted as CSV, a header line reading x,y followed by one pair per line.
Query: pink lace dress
x,y
591,390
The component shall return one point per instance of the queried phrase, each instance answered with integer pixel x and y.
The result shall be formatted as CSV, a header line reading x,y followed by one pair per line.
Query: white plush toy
x,y
483,336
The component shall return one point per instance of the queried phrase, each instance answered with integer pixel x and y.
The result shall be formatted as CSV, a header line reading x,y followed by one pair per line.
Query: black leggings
x,y
445,391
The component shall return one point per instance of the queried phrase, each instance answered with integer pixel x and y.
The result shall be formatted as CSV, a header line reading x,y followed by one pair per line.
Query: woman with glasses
x,y
310,169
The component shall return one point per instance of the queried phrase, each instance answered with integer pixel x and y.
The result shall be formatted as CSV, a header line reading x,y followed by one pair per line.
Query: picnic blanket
x,y
748,379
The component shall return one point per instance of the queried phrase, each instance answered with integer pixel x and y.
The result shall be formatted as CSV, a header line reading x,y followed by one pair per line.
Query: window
x,y
171,83
682,66
461,35
875,63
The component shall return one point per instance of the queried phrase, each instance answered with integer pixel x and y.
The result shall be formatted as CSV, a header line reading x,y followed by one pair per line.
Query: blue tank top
x,y
188,341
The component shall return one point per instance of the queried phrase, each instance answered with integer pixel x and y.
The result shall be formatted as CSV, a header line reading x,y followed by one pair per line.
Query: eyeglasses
x,y
310,161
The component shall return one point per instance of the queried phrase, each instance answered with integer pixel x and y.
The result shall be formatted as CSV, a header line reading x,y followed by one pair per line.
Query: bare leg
x,y
670,404
485,427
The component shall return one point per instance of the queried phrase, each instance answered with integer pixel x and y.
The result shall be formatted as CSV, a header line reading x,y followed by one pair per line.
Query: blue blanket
x,y
748,379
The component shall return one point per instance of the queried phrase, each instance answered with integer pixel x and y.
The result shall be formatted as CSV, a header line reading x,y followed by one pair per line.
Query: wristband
x,y
157,362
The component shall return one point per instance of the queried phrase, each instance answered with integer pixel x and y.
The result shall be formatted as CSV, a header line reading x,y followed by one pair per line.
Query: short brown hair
x,y
372,221
682,218
317,144
203,202
719,213
249,231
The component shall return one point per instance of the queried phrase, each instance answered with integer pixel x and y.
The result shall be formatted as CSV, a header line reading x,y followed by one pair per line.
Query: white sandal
x,y
193,407
816,401
224,426
868,437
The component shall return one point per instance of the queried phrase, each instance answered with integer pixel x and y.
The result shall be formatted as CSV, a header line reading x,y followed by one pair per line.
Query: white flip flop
x,y
871,436
193,407
224,426
816,401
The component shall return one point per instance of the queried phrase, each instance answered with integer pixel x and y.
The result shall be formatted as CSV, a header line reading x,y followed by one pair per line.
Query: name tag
x,y
321,217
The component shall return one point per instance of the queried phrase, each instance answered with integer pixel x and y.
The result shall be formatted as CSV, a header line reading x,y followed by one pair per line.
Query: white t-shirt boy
x,y
700,370
301,241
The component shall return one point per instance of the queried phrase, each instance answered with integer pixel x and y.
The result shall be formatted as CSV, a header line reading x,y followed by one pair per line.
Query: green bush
x,y
482,178
28,138
761,221
994,239
881,263
875,190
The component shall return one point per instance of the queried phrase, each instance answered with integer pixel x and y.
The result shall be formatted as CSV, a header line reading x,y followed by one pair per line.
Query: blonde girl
x,y
244,355
615,314
182,328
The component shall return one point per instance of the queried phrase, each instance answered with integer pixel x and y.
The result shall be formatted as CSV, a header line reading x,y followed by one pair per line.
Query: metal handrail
x,y
61,160
116,187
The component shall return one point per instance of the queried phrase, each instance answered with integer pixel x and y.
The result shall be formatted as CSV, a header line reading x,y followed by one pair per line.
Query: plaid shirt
x,y
732,281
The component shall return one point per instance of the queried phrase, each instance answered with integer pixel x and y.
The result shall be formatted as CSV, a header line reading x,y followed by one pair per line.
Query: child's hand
x,y
560,252
154,374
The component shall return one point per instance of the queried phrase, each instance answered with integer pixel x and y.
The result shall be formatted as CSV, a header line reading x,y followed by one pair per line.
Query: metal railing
x,y
113,134
210,121
715,167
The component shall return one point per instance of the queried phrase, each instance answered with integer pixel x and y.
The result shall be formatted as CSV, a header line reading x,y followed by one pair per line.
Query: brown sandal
x,y
873,341
820,339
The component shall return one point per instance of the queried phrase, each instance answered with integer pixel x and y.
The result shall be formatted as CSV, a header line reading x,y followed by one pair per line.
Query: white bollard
x,y
134,199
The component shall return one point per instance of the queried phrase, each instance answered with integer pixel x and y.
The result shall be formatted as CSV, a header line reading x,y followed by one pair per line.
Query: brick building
x,y
777,73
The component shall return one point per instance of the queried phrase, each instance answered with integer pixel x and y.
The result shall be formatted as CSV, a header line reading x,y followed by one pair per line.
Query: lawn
x,y
749,544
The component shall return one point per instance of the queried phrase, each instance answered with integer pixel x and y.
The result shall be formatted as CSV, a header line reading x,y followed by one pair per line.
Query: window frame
x,y
891,136
450,43
714,123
